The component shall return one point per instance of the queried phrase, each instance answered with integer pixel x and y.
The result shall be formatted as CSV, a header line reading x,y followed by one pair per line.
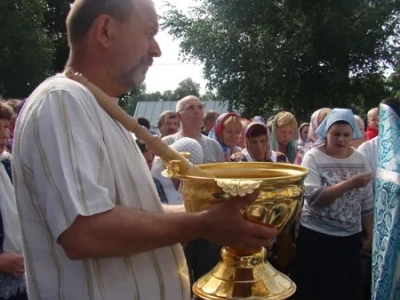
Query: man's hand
x,y
225,225
12,264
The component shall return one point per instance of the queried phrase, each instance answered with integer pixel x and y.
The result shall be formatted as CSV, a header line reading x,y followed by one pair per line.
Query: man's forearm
x,y
123,231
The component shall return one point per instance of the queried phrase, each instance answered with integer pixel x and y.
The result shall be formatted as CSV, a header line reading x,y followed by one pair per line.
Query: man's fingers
x,y
247,199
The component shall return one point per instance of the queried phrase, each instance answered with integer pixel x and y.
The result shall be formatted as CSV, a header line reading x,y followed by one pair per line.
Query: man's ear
x,y
105,29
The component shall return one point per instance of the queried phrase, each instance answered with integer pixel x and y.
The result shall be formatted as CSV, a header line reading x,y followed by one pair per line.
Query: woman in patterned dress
x,y
338,205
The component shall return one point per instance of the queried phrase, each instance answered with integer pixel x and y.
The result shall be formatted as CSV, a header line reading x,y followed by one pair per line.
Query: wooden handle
x,y
153,143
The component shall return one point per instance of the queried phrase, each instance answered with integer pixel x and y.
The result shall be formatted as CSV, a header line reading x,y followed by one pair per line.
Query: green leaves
x,y
296,55
26,48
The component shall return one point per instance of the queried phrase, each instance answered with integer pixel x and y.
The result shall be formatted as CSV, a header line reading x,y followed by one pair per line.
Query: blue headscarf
x,y
337,115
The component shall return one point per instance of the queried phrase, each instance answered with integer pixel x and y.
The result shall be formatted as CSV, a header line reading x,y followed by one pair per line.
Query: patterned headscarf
x,y
216,131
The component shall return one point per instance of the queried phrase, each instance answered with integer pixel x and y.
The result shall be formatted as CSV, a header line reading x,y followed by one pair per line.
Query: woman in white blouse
x,y
338,203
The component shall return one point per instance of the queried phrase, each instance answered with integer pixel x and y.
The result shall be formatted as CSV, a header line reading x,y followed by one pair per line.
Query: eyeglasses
x,y
191,107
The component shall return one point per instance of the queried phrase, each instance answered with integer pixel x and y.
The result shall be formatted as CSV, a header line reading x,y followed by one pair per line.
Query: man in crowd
x,y
168,123
190,113
210,118
92,223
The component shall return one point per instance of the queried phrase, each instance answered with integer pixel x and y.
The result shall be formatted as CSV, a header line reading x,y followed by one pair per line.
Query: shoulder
x,y
56,92
170,139
60,83
211,141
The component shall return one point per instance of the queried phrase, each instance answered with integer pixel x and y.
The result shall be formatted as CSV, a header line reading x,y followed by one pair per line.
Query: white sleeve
x,y
71,163
313,183
313,177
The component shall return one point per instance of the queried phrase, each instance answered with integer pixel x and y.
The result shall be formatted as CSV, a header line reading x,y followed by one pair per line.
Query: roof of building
x,y
151,110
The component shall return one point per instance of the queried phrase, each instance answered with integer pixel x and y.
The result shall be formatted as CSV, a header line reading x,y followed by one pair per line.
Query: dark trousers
x,y
326,267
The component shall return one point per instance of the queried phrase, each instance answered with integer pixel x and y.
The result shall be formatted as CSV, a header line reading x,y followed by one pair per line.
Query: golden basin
x,y
239,274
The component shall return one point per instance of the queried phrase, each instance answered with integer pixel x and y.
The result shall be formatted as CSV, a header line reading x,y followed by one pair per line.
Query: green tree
x,y
26,51
185,88
168,95
55,16
295,55
394,81
209,95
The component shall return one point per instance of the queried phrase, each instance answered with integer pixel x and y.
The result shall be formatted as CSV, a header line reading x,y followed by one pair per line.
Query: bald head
x,y
180,105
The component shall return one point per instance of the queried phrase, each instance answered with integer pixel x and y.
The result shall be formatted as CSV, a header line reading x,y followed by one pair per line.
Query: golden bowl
x,y
245,275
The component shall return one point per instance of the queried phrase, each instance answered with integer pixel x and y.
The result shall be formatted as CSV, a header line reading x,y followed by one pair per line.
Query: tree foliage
x,y
55,16
296,55
26,50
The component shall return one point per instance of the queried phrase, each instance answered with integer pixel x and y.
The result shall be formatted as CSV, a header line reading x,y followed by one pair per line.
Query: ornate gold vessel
x,y
245,275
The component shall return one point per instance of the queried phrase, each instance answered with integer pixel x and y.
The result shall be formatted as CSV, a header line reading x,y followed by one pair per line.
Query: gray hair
x,y
180,105
84,12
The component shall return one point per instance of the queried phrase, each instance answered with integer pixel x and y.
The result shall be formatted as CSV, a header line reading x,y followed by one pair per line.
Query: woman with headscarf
x,y
257,145
226,132
303,134
316,119
338,205
258,149
241,142
284,134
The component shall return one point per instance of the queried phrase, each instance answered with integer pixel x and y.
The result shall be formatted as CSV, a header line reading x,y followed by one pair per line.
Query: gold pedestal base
x,y
238,277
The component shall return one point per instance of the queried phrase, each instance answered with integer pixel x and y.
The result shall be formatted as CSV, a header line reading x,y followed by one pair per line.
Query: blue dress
x,y
386,242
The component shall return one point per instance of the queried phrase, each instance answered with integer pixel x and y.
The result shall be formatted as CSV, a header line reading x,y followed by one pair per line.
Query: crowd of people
x,y
85,212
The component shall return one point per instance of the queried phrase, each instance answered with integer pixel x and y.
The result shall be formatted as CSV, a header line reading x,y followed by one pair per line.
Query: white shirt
x,y
212,150
369,149
70,159
343,216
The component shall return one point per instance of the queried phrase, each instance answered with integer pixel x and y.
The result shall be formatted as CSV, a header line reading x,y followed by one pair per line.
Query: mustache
x,y
147,60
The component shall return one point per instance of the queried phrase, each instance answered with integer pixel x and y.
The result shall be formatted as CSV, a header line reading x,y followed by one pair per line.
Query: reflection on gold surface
x,y
245,275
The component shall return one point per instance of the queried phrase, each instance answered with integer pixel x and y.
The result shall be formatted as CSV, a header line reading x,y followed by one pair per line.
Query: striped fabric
x,y
70,159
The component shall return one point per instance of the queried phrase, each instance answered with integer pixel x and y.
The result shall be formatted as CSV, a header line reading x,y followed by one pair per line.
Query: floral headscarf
x,y
216,131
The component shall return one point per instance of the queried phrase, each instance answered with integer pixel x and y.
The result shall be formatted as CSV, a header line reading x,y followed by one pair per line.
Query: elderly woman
x,y
257,146
226,132
338,204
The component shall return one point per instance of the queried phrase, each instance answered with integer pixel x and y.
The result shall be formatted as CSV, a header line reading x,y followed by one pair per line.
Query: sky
x,y
168,70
